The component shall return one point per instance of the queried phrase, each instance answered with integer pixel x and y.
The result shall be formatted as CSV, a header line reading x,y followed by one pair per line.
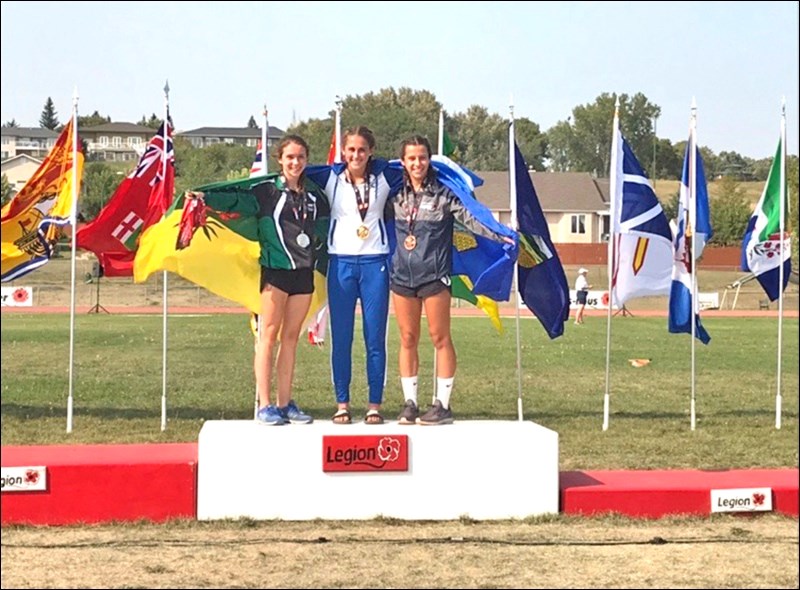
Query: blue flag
x,y
682,308
540,276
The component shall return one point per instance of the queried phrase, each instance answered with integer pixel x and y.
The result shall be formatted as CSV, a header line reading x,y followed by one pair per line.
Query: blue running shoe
x,y
295,415
271,416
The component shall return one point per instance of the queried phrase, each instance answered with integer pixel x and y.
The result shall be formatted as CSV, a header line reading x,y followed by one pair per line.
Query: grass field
x,y
117,384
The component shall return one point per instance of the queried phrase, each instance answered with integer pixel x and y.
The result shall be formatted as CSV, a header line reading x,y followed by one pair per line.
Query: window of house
x,y
579,224
103,140
116,141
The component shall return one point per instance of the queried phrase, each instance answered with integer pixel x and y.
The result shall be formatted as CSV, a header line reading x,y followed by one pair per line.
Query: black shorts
x,y
423,291
582,297
293,282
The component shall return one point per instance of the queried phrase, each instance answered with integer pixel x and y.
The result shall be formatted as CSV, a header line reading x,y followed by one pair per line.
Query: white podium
x,y
477,469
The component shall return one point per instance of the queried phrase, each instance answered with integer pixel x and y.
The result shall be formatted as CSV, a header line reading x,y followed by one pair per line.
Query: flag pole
x,y
73,219
165,304
613,213
782,225
264,140
441,132
512,193
338,126
693,257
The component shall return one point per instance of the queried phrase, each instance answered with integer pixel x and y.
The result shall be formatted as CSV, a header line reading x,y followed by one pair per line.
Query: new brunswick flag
x,y
34,220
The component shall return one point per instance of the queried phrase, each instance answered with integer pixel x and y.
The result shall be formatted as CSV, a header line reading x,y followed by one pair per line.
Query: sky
x,y
225,60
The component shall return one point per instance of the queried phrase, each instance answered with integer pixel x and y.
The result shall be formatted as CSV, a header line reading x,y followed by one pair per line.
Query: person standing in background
x,y
582,287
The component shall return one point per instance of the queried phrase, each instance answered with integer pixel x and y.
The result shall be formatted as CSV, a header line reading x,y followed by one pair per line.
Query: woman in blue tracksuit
x,y
358,245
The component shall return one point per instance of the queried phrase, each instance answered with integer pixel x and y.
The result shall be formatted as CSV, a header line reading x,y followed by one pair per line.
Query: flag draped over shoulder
x,y
682,306
761,246
487,263
222,257
33,221
542,283
139,202
642,262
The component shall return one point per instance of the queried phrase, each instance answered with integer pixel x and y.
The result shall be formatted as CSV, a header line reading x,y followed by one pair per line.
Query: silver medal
x,y
303,240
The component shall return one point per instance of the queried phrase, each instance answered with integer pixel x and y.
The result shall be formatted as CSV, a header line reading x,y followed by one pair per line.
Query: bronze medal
x,y
410,242
362,232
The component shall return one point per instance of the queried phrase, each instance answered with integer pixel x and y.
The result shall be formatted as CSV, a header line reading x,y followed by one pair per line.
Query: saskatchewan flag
x,y
222,257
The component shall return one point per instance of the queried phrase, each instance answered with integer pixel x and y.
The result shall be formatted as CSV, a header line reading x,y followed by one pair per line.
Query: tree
x,y
730,211
92,120
198,166
251,124
99,183
586,147
11,123
153,122
49,118
6,190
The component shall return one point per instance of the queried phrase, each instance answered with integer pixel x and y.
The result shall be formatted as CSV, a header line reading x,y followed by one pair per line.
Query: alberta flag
x,y
761,247
642,260
693,197
540,276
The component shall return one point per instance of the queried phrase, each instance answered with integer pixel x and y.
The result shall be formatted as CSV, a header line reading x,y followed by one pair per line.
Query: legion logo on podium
x,y
365,453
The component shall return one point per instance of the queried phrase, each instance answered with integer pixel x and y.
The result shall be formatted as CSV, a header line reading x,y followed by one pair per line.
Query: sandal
x,y
373,417
342,416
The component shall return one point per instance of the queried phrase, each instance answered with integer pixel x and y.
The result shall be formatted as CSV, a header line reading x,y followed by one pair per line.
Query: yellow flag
x,y
34,220
222,261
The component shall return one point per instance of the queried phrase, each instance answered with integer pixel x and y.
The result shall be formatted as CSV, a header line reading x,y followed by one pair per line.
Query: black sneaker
x,y
409,413
437,414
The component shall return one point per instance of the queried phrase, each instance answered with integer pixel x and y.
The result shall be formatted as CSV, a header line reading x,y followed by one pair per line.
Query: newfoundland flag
x,y
540,276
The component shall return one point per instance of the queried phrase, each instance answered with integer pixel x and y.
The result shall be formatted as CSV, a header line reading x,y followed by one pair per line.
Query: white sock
x,y
409,388
444,387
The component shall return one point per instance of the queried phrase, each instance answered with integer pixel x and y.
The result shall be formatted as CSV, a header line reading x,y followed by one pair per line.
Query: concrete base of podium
x,y
476,469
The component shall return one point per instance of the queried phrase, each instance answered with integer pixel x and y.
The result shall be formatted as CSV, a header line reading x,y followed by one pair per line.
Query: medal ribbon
x,y
363,204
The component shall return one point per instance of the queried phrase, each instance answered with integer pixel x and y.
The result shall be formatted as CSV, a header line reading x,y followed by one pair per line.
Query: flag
x,y
540,276
461,288
487,262
223,259
140,201
222,255
762,240
642,263
682,306
332,149
448,147
33,221
258,168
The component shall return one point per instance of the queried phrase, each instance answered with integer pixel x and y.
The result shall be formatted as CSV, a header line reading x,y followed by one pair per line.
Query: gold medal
x,y
410,242
362,232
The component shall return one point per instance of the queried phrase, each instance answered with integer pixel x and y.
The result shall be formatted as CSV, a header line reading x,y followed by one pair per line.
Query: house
x,y
19,169
116,142
248,136
32,141
575,204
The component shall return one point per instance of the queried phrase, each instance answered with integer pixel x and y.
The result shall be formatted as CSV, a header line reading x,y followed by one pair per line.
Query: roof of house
x,y
231,132
30,132
117,128
11,162
557,191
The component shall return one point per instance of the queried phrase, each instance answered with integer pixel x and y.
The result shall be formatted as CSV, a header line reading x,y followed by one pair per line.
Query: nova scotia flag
x,y
682,307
